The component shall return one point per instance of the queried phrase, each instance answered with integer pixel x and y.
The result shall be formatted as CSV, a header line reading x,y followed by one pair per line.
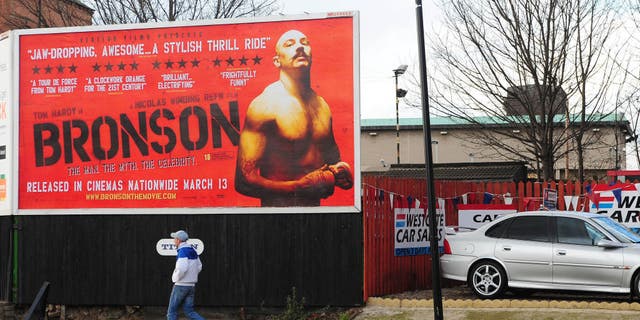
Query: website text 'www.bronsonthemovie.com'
x,y
132,196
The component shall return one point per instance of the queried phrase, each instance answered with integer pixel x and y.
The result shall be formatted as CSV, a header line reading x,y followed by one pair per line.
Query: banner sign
x,y
412,230
6,137
475,215
550,198
167,247
235,116
621,202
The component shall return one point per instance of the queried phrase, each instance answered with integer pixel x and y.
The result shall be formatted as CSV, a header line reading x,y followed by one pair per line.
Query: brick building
x,y
27,14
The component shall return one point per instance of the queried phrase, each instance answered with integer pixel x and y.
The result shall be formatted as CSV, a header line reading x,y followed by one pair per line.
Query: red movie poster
x,y
224,116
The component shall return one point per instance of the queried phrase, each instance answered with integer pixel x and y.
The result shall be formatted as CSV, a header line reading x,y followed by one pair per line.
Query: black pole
x,y
426,125
8,289
397,120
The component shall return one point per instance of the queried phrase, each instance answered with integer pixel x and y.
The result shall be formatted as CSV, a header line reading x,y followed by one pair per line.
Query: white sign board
x,y
412,230
166,247
473,216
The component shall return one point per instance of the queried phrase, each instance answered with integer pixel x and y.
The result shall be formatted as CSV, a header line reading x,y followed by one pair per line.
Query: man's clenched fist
x,y
343,175
319,182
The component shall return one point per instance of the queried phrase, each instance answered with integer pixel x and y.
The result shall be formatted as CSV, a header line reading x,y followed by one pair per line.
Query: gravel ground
x,y
459,303
381,313
531,305
461,291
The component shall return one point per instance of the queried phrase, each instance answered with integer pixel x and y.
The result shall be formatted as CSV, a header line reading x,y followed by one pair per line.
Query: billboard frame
x,y
15,103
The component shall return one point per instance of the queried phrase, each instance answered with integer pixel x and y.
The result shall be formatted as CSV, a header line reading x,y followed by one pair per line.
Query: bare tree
x,y
134,11
632,109
594,64
632,103
59,13
525,65
45,14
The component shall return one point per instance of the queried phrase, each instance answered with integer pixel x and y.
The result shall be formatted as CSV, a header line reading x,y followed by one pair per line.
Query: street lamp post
x,y
428,166
400,93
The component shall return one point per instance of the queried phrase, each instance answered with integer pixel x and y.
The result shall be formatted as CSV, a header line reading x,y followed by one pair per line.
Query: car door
x,y
578,261
525,250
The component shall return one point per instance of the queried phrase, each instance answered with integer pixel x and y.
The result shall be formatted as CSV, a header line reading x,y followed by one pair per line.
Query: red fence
x,y
386,274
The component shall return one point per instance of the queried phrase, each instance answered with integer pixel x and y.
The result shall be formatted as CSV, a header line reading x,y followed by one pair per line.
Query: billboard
x,y
6,137
474,216
227,116
411,230
620,201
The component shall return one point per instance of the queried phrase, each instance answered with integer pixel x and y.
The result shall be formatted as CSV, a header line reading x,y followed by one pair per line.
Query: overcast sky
x,y
388,38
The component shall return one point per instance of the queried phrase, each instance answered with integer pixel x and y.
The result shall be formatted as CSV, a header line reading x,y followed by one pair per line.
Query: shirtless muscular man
x,y
287,155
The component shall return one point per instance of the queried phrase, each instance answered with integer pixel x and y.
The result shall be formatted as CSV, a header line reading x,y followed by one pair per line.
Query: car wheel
x,y
487,279
635,285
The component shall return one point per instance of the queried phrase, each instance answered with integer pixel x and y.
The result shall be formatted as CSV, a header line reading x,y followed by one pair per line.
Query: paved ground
x,y
409,309
384,313
386,309
458,304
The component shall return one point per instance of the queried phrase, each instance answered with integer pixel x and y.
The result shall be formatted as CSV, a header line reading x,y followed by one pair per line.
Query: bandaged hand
x,y
318,182
343,175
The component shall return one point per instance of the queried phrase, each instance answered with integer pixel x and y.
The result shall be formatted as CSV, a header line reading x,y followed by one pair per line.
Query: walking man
x,y
185,277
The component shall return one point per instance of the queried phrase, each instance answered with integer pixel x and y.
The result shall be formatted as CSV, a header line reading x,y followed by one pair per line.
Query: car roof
x,y
558,213
555,213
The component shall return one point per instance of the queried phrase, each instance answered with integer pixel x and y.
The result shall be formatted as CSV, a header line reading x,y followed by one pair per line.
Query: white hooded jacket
x,y
188,266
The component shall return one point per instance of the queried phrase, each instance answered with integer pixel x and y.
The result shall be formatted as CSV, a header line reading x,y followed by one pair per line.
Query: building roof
x,y
469,171
521,100
450,122
82,5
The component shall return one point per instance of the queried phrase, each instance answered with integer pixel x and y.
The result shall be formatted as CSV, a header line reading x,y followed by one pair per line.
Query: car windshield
x,y
620,232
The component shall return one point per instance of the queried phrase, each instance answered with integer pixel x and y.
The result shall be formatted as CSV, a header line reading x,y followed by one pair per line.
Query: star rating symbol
x,y
36,70
47,69
121,65
230,61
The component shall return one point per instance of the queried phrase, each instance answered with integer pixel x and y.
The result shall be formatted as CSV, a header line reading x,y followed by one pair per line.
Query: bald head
x,y
292,51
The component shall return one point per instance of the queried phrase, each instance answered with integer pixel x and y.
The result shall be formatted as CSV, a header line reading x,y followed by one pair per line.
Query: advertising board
x,y
6,136
474,216
620,201
550,198
230,116
411,230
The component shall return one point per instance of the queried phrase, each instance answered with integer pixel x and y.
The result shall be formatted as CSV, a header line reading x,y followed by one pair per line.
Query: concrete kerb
x,y
502,304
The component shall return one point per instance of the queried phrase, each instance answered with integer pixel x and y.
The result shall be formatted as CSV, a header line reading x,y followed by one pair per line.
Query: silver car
x,y
545,250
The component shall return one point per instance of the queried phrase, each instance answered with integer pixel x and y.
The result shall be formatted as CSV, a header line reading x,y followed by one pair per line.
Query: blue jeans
x,y
182,295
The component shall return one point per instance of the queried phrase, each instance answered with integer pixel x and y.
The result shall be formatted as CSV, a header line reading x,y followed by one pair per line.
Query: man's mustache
x,y
300,53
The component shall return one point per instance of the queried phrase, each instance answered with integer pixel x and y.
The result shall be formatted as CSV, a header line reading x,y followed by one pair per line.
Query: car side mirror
x,y
609,244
